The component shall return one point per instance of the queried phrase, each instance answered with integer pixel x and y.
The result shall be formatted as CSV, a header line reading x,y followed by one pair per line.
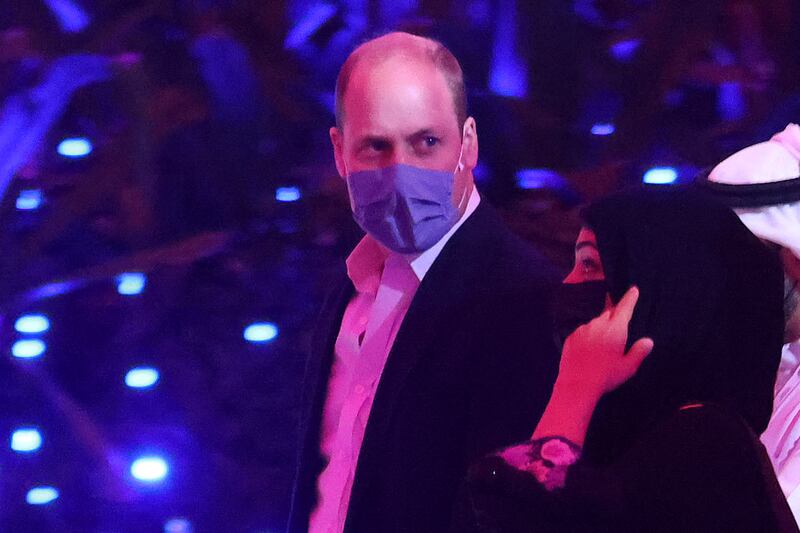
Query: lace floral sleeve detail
x,y
547,459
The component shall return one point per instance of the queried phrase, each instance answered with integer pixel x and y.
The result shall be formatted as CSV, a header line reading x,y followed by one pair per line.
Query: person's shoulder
x,y
520,271
708,413
494,263
694,446
523,258
707,425
516,260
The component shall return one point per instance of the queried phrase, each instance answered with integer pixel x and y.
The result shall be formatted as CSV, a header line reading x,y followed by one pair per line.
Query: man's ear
x,y
338,150
470,140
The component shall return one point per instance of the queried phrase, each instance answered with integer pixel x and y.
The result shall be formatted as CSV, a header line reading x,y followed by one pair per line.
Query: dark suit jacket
x,y
471,369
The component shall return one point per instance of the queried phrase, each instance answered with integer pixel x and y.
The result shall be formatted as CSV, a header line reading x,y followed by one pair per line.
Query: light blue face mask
x,y
407,209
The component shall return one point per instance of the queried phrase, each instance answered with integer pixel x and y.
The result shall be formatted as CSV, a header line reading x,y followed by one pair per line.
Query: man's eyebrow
x,y
423,131
585,244
371,137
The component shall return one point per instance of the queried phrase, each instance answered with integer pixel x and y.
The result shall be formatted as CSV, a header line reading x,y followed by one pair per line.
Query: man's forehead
x,y
399,52
400,65
407,93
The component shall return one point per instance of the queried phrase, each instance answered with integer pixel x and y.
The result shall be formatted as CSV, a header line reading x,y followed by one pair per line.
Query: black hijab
x,y
710,297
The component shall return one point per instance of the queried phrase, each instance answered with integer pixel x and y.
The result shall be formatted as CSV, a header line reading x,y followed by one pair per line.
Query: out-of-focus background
x,y
170,214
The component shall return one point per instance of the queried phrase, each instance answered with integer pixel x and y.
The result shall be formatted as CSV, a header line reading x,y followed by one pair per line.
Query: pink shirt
x,y
782,436
385,284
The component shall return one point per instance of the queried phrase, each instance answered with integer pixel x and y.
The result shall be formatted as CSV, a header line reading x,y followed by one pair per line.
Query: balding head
x,y
399,45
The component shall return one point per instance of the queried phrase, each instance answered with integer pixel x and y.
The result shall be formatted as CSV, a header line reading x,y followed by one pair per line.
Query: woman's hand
x,y
594,358
593,362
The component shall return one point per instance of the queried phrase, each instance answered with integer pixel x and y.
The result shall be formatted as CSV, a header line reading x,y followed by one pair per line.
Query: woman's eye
x,y
431,141
588,265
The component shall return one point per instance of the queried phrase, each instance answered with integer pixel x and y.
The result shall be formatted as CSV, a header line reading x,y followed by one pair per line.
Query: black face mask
x,y
575,304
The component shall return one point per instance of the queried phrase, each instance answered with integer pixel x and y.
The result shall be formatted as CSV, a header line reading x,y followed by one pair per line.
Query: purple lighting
x,y
71,17
508,75
603,129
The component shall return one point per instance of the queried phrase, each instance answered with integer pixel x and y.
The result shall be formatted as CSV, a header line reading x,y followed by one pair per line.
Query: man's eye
x,y
425,145
378,146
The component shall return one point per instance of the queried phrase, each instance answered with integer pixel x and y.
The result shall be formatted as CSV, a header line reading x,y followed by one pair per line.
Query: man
x,y
762,184
437,347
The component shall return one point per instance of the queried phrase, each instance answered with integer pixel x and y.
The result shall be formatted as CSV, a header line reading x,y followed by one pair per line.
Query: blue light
x,y
29,199
287,194
141,377
70,16
588,11
625,50
41,495
313,19
481,173
178,525
56,288
131,283
660,176
479,12
603,128
28,348
32,324
731,101
75,147
261,332
328,100
539,178
508,74
25,440
149,469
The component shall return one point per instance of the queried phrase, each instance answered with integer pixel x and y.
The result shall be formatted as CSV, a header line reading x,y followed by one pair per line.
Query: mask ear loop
x,y
460,166
347,184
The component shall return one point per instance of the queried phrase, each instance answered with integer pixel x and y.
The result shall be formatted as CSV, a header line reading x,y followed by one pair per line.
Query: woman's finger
x,y
639,351
624,309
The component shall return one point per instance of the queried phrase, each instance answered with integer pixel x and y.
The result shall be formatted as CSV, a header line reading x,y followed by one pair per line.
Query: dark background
x,y
211,174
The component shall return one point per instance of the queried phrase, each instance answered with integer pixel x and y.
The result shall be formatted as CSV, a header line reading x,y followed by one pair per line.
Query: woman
x,y
659,434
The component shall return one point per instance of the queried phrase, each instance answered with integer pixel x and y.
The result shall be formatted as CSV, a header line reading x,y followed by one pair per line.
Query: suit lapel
x,y
450,279
319,364
316,386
